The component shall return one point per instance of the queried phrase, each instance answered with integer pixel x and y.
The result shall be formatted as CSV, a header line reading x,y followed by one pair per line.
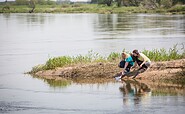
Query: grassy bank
x,y
87,8
91,57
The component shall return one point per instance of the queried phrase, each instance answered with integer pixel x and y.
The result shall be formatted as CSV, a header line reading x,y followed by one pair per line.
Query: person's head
x,y
135,53
124,55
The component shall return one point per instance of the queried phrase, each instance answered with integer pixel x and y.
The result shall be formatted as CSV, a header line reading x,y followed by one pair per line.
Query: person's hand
x,y
122,73
140,65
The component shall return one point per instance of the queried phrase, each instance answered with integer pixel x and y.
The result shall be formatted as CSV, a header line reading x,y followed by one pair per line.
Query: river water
x,y
30,39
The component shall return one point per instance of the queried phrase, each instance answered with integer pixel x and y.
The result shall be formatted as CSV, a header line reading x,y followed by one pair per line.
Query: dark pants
x,y
143,66
122,65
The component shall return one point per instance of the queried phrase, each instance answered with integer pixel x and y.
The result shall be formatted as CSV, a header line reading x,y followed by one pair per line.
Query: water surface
x,y
30,39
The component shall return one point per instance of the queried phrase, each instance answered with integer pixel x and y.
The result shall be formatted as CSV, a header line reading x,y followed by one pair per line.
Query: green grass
x,y
164,55
177,8
92,57
88,8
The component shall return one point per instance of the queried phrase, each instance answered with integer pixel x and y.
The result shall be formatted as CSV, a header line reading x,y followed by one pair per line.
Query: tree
x,y
22,2
94,1
41,2
108,2
119,3
49,2
32,5
6,6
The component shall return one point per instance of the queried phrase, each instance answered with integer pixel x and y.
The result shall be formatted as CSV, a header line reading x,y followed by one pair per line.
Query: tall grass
x,y
91,57
164,55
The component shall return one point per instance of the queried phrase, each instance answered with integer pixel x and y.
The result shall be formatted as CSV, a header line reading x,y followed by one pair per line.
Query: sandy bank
x,y
157,71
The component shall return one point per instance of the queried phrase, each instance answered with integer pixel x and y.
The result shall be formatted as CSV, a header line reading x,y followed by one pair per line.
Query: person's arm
x,y
135,64
144,59
143,63
126,64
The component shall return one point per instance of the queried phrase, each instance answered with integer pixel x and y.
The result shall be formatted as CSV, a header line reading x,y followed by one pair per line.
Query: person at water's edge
x,y
142,60
126,63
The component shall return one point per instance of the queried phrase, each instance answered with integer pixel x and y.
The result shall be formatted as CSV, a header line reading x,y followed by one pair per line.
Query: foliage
x,y
22,2
40,2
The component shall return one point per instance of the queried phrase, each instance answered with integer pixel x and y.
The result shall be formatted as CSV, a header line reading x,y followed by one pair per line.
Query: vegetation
x,y
96,6
91,57
164,55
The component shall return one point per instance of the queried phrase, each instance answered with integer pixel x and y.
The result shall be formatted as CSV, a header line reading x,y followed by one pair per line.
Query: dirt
x,y
105,71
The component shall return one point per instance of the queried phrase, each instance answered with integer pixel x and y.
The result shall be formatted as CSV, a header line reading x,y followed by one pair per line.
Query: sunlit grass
x,y
92,57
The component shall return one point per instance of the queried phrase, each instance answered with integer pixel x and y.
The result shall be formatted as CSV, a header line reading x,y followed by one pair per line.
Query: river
x,y
30,39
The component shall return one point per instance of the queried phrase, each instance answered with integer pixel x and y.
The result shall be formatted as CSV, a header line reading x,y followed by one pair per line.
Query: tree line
x,y
146,3
41,2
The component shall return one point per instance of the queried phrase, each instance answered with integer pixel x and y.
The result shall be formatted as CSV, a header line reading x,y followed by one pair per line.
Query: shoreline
x,y
89,8
166,71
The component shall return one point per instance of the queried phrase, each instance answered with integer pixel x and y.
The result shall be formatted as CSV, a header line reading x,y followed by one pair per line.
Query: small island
x,y
166,66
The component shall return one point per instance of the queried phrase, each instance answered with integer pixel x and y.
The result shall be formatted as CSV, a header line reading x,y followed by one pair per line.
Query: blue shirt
x,y
130,60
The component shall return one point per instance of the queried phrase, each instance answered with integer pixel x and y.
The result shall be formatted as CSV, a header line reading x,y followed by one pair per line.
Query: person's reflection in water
x,y
133,91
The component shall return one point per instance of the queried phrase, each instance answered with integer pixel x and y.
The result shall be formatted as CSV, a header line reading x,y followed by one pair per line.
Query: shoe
x,y
120,77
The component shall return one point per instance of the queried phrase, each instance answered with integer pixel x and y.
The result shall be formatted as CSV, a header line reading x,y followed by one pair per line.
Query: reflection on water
x,y
134,90
128,26
139,88
55,83
58,83
72,34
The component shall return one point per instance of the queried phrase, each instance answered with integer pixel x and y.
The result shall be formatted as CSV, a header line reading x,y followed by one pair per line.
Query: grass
x,y
87,8
92,57
164,55
177,8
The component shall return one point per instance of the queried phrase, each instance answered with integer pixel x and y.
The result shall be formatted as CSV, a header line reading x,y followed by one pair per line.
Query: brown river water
x,y
30,39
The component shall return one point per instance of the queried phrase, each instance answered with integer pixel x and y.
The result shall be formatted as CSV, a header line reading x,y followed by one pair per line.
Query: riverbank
x,y
89,8
167,64
166,71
